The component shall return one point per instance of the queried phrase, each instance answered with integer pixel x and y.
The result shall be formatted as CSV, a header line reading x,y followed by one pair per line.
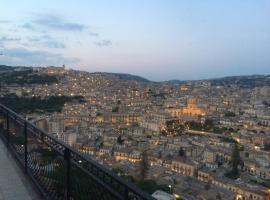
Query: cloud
x,y
5,40
54,44
47,41
93,34
22,56
32,27
28,26
13,30
103,43
56,23
4,21
9,39
34,39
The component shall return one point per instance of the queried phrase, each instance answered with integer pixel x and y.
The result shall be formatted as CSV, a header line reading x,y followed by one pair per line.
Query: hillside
x,y
25,75
127,77
243,81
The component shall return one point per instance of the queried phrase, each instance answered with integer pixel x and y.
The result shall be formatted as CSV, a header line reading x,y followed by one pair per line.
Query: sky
x,y
156,39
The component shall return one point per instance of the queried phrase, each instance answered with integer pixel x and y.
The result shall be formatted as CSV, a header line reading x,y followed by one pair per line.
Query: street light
x,y
170,189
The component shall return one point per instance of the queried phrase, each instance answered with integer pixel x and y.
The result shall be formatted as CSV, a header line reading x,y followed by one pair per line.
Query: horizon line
x,y
126,73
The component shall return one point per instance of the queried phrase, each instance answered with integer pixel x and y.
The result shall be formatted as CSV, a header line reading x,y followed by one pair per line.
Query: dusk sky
x,y
156,39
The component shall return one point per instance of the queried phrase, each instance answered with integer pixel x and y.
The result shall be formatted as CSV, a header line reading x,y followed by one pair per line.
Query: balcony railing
x,y
59,171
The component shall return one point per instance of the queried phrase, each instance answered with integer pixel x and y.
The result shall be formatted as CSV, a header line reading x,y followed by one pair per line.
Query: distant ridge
x,y
175,82
246,81
127,77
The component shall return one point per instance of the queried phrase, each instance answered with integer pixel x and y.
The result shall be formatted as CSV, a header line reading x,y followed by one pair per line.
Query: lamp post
x,y
170,188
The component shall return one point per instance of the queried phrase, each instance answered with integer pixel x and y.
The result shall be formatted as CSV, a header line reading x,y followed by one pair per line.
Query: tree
x,y
207,186
151,186
144,165
160,154
267,147
181,152
229,114
235,160
218,196
101,145
208,124
115,109
120,140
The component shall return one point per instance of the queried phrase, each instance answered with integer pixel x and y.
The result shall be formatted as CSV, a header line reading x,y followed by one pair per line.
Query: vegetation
x,y
229,114
126,77
174,127
235,159
264,183
243,81
266,104
6,68
120,140
206,126
151,186
144,165
234,173
219,130
227,139
160,154
37,104
181,152
26,77
115,109
207,186
266,147
120,172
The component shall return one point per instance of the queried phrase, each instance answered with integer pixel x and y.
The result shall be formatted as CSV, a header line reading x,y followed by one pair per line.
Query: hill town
x,y
199,139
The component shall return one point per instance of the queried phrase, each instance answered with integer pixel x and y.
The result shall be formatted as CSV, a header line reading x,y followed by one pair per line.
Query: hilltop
x,y
13,74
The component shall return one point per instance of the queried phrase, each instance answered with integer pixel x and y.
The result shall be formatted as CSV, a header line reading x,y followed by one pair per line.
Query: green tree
x,y
235,160
229,114
207,186
181,152
151,186
115,109
208,124
160,154
218,196
266,147
144,165
120,140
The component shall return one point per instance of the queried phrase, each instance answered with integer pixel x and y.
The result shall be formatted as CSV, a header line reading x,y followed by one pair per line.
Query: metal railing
x,y
59,171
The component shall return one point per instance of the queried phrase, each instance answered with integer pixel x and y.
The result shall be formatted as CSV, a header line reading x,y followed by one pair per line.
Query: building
x,y
190,110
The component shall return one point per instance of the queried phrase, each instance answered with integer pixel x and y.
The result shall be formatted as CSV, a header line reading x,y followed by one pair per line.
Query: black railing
x,y
59,171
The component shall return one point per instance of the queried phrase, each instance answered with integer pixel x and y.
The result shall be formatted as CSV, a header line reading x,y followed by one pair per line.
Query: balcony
x,y
13,184
55,169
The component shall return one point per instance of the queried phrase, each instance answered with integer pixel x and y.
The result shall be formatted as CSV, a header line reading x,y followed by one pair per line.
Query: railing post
x,y
126,193
25,148
68,161
8,134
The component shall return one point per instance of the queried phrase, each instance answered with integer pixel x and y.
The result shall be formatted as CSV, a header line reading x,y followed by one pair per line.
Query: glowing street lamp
x,y
170,188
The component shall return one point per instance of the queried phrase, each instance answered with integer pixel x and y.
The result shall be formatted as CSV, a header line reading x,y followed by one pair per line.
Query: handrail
x,y
104,177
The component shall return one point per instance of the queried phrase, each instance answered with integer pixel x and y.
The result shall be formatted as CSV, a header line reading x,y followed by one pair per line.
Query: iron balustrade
x,y
58,170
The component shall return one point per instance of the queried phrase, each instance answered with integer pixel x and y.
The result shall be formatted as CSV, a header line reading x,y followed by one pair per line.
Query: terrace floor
x,y
14,185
